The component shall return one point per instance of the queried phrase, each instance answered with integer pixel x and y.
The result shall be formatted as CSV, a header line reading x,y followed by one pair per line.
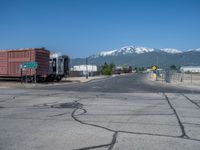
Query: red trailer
x,y
11,61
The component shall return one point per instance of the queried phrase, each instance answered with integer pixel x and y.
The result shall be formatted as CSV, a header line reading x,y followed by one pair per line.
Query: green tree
x,y
112,65
173,67
107,69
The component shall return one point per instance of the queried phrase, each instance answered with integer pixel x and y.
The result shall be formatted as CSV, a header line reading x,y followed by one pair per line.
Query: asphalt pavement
x,y
130,83
122,112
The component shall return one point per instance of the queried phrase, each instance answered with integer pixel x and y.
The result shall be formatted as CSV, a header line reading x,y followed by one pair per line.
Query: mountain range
x,y
143,57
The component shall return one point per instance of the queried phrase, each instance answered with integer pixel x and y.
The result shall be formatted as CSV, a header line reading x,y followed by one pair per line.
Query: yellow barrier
x,y
154,76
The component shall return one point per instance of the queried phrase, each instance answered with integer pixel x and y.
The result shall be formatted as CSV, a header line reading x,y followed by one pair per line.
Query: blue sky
x,y
83,27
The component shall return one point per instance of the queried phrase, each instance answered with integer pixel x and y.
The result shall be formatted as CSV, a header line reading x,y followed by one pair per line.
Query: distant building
x,y
83,70
118,68
195,69
89,68
122,69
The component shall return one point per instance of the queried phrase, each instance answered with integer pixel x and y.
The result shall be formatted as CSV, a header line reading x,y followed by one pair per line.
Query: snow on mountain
x,y
189,50
107,53
140,50
171,50
135,50
124,50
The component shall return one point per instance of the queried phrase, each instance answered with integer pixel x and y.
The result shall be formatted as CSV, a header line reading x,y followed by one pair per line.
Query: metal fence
x,y
176,77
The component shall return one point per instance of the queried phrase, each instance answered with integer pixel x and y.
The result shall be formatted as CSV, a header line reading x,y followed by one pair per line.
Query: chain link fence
x,y
172,76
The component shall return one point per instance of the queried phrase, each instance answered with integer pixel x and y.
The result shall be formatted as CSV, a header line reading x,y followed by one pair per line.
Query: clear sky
x,y
83,27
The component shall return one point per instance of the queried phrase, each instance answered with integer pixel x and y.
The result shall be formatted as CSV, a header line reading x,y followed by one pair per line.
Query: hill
x,y
143,57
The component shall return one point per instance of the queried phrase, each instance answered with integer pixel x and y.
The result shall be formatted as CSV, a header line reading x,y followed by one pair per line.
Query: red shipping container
x,y
11,61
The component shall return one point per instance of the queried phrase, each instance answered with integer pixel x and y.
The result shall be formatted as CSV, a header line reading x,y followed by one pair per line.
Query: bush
x,y
107,69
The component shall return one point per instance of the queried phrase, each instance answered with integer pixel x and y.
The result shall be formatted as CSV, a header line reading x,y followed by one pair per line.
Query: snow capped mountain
x,y
189,50
171,50
142,56
140,50
107,53
134,50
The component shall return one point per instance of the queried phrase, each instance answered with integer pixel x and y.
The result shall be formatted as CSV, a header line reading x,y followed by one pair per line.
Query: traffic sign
x,y
30,65
154,67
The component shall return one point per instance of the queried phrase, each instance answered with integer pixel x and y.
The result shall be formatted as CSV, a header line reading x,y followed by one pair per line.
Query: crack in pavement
x,y
84,112
167,114
110,145
159,135
73,115
131,122
114,138
78,110
49,119
184,135
8,99
61,114
25,94
93,147
44,105
191,100
195,124
116,132
78,106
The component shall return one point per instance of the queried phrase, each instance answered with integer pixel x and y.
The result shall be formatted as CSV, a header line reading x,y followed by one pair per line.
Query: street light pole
x,y
157,61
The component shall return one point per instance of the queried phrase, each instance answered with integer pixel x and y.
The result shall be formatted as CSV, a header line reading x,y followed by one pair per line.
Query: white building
x,y
119,68
85,69
190,69
89,68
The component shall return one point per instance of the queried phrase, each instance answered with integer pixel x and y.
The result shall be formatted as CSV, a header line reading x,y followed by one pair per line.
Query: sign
x,y
154,67
30,65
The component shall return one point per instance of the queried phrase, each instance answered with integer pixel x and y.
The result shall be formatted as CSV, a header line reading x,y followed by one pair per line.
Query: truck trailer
x,y
52,67
58,67
12,60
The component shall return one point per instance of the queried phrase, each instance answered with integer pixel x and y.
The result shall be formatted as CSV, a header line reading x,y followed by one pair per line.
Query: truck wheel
x,y
58,79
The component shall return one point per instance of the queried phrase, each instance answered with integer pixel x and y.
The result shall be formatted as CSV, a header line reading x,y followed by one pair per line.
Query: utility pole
x,y
157,68
86,68
157,61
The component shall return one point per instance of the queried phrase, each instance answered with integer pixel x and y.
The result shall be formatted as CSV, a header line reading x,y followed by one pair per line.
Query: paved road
x,y
123,112
131,83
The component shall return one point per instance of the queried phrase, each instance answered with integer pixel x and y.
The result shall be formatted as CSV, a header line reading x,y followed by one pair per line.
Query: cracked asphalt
x,y
123,112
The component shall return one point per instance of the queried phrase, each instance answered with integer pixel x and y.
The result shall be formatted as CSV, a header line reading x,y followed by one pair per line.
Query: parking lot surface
x,y
49,119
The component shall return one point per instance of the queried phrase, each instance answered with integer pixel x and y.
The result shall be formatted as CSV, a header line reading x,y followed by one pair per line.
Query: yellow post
x,y
154,76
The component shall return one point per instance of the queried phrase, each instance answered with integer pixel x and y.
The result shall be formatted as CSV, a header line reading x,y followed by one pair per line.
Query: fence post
x,y
182,76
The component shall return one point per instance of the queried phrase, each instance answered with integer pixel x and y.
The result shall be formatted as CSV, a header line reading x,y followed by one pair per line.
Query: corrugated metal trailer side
x,y
42,57
3,63
12,59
